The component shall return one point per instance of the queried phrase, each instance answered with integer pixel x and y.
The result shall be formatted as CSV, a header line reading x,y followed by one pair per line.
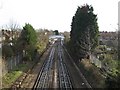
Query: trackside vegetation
x,y
84,41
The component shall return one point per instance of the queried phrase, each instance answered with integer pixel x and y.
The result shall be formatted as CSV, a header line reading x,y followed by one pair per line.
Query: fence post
x,y
11,59
8,64
18,58
15,60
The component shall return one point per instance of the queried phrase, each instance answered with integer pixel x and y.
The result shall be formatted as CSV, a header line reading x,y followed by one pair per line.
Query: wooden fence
x,y
9,63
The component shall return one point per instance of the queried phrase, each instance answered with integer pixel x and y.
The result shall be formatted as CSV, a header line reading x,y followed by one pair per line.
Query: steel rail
x,y
64,77
44,76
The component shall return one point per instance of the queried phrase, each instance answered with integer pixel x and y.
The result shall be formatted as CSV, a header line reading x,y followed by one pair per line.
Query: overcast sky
x,y
56,14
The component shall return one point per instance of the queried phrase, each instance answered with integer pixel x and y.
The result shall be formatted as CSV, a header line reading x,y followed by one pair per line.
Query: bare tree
x,y
13,26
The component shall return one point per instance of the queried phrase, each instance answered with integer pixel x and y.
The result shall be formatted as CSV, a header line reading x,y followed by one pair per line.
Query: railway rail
x,y
64,78
54,73
45,76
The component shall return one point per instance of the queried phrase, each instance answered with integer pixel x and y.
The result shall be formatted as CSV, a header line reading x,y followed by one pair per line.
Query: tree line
x,y
27,43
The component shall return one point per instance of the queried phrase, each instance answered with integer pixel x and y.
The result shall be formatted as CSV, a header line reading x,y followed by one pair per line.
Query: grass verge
x,y
11,76
92,74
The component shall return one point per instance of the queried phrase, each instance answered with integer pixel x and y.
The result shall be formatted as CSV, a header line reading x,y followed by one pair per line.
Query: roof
x,y
56,36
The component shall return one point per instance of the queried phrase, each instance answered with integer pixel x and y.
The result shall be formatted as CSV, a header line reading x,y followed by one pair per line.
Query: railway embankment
x,y
27,79
90,72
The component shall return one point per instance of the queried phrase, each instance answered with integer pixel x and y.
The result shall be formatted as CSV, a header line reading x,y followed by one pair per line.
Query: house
x,y
9,35
108,38
104,35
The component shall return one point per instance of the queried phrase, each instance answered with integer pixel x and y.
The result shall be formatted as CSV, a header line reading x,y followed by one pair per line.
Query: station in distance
x,y
54,38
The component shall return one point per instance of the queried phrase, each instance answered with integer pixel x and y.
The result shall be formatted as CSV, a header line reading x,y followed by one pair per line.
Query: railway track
x,y
45,76
64,78
54,73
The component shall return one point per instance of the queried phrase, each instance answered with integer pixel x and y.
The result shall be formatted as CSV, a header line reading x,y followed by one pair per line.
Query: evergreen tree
x,y
27,40
84,32
56,32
